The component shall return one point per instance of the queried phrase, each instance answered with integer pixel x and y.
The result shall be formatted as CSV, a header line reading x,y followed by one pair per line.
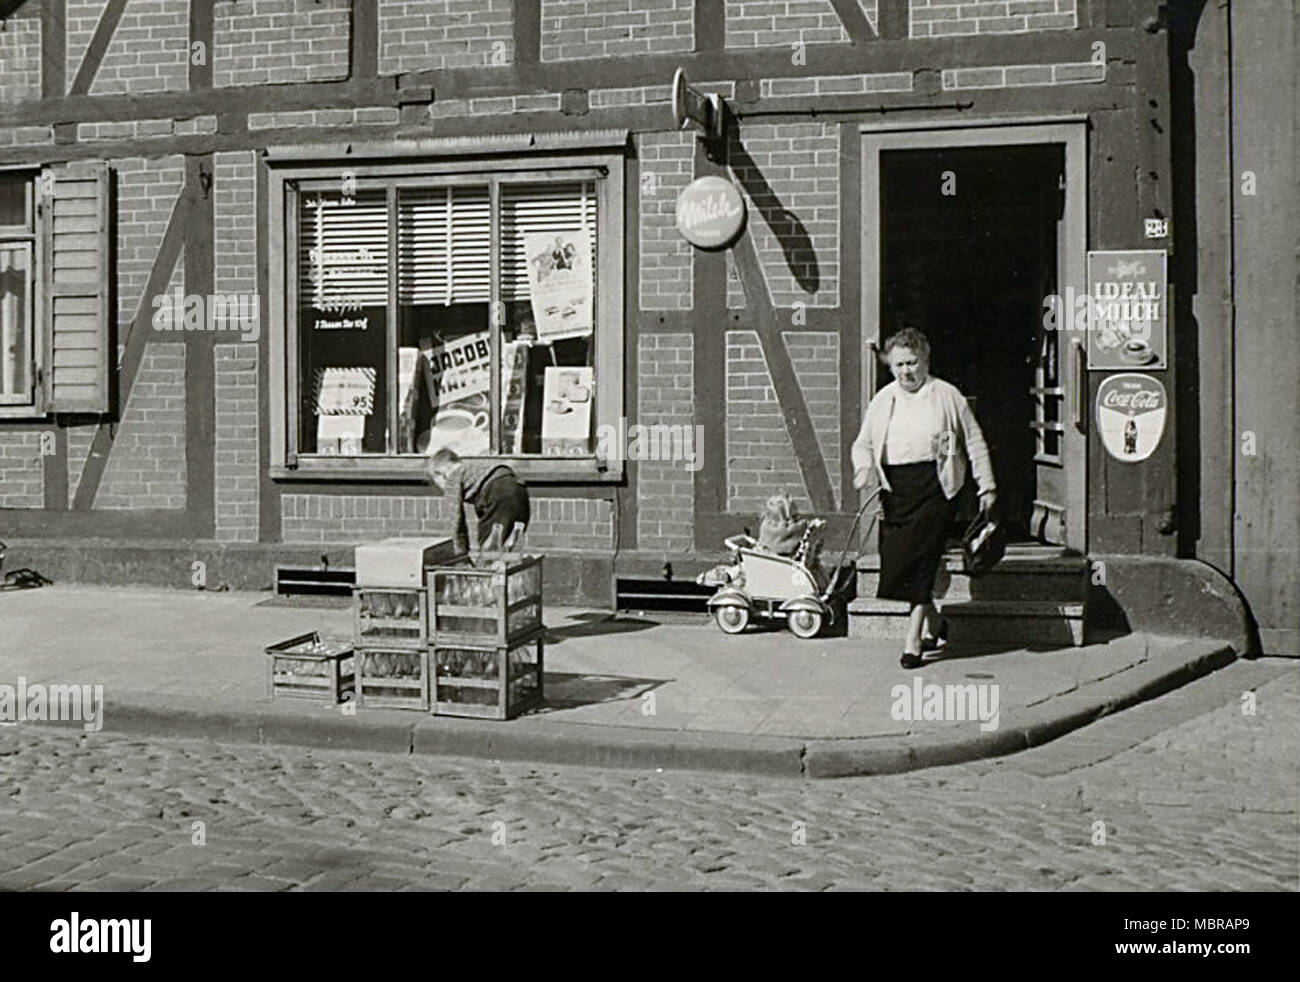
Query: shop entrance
x,y
967,241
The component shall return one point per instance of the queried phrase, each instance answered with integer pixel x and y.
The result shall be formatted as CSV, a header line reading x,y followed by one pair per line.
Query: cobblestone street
x,y
1193,793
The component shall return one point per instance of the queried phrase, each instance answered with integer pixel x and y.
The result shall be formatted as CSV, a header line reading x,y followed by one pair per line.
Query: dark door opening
x,y
968,252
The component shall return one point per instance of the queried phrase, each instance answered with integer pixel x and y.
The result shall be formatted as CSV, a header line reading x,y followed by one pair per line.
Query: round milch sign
x,y
710,212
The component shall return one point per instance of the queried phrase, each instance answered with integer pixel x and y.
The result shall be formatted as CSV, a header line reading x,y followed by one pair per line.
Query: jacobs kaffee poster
x,y
560,281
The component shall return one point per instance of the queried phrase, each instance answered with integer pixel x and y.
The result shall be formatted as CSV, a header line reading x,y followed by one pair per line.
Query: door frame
x,y
1072,133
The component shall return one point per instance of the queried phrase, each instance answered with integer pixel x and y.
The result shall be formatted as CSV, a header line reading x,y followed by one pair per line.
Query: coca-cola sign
x,y
1131,412
710,212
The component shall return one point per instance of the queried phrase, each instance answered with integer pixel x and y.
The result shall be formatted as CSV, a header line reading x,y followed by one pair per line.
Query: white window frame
x,y
328,166
29,235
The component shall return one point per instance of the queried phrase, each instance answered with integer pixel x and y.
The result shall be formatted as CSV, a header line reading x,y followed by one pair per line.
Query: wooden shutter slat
x,y
75,277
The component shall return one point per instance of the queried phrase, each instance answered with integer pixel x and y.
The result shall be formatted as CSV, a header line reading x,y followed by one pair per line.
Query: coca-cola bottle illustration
x,y
1131,436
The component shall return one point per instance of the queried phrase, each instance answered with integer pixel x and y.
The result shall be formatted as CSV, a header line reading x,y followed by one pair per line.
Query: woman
x,y
917,436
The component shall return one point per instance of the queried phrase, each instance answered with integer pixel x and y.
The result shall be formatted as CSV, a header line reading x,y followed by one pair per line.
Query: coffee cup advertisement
x,y
1128,315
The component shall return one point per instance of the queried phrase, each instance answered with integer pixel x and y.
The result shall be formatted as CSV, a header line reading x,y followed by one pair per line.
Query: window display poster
x,y
514,367
457,380
561,283
1127,326
345,391
459,368
337,365
566,411
345,397
340,435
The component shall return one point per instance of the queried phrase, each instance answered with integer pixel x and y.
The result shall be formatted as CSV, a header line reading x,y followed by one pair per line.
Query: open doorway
x,y
968,250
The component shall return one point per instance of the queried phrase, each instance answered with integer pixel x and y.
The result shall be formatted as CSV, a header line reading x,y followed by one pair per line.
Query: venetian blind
x,y
343,249
542,207
444,245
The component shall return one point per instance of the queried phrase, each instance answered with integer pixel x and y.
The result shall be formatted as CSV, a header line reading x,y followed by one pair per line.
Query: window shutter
x,y
75,281
550,207
444,245
343,250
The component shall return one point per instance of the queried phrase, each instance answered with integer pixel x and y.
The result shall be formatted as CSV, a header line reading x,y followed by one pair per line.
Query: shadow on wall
x,y
789,230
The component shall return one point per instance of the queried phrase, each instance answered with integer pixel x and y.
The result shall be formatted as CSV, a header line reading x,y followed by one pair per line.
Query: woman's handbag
x,y
983,545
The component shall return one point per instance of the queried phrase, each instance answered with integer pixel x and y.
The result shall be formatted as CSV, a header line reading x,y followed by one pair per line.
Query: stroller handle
x,y
738,542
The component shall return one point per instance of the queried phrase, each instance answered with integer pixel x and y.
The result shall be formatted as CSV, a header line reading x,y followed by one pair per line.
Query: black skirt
x,y
913,531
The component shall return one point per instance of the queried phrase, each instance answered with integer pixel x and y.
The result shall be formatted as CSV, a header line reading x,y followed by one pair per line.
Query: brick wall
x,y
361,116
149,50
665,517
557,523
816,359
793,190
146,193
930,18
22,475
869,11
573,29
234,213
79,439
237,461
760,458
764,23
20,58
261,41
357,518
581,524
424,35
999,76
667,260
146,468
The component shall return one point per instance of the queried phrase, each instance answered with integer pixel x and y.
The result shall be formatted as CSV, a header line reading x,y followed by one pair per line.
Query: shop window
x,y
54,287
461,308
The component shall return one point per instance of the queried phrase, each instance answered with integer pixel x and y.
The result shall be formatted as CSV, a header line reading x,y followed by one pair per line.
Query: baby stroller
x,y
758,583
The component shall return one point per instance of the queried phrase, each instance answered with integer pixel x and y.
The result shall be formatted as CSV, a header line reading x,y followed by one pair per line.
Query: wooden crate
x,y
487,681
294,671
385,618
394,678
495,599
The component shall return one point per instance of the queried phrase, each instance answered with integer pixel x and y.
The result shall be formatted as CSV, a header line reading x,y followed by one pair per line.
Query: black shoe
x,y
937,641
909,660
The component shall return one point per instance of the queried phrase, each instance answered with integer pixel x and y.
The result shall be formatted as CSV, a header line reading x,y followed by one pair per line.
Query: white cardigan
x,y
966,442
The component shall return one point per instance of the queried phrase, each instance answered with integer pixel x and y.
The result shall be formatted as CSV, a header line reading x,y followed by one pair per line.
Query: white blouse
x,y
914,427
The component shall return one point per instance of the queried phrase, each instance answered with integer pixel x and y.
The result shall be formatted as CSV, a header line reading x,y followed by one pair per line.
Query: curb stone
x,y
600,745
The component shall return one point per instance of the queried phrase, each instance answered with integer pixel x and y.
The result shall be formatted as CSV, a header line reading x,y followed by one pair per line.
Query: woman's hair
x,y
910,338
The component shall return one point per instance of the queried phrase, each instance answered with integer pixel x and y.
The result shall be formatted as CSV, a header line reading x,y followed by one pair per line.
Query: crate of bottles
x,y
489,599
488,681
390,617
311,667
396,678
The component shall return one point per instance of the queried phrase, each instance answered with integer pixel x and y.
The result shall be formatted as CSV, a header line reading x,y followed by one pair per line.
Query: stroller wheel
x,y
805,623
732,619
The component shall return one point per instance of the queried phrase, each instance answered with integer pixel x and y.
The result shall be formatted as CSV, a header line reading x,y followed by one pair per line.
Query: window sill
x,y
28,413
533,470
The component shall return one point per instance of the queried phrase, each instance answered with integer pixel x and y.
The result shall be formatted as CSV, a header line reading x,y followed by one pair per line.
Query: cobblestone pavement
x,y
1191,796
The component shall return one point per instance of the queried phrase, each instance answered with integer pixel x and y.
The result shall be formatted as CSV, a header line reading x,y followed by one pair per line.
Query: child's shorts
x,y
502,501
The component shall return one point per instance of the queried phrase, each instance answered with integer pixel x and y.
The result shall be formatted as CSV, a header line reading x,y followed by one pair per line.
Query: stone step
x,y
977,621
1024,576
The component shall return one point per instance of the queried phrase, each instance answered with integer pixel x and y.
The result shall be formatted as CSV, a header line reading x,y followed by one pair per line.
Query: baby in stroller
x,y
781,532
780,529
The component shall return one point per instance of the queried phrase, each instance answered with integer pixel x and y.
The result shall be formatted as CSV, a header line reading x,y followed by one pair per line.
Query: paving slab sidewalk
x,y
621,691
